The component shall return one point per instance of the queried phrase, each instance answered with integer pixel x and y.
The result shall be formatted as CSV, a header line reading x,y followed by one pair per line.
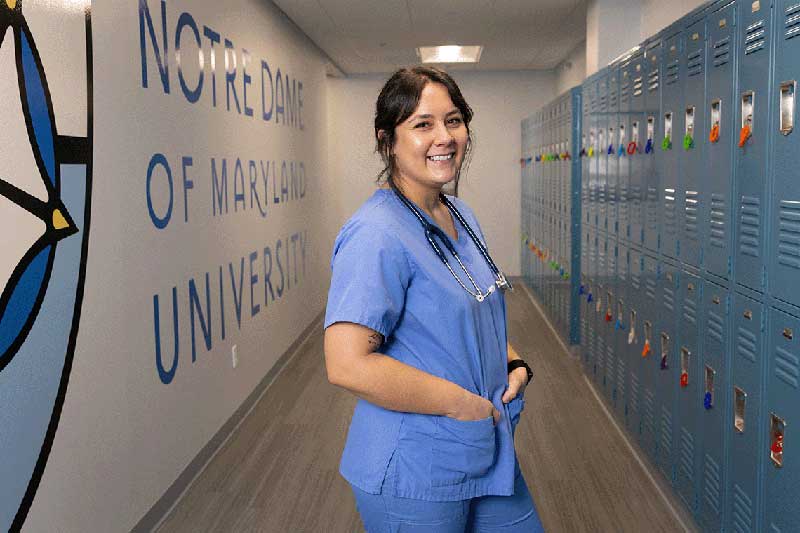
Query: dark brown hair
x,y
398,100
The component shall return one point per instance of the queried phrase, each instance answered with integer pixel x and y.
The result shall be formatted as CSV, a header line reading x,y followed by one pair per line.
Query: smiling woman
x,y
424,348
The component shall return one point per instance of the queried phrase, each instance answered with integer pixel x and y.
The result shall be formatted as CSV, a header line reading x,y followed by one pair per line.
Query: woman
x,y
421,339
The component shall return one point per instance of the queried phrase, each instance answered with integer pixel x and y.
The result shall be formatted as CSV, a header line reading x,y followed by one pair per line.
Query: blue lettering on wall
x,y
187,184
238,186
253,171
266,114
230,76
219,187
279,112
237,293
159,222
246,80
254,307
192,95
194,306
164,374
213,38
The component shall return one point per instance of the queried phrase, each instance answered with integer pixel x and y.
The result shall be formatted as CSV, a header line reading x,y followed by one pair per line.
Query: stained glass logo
x,y
45,192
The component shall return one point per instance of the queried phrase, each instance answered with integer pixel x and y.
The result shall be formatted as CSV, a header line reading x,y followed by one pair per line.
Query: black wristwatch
x,y
516,363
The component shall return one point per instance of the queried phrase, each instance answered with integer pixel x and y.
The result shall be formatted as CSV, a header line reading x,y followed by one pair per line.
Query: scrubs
x,y
387,277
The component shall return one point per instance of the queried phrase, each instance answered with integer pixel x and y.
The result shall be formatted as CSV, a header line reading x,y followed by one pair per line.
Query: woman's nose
x,y
443,134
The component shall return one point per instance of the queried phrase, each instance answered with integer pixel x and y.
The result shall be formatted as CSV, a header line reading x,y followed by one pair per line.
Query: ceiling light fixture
x,y
449,54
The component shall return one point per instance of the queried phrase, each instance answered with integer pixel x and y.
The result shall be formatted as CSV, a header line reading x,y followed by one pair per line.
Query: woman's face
x,y
429,146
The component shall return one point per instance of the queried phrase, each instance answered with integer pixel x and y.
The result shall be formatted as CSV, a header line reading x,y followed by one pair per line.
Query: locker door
x,y
720,105
752,114
649,354
668,364
694,142
715,369
785,201
632,341
583,155
635,151
673,128
593,153
623,219
654,157
617,331
688,406
612,294
783,402
746,426
606,135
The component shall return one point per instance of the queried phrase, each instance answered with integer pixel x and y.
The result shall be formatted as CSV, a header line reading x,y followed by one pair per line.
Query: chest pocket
x,y
462,449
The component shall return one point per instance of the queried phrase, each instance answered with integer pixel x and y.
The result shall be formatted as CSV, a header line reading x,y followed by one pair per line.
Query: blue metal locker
x,y
653,156
785,197
715,376
693,176
746,427
622,365
623,219
720,103
605,131
632,341
753,119
649,354
610,358
687,402
782,473
635,150
600,308
672,65
592,152
668,364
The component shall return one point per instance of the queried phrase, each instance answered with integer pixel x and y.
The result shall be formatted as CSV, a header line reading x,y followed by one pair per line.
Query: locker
x,y
593,153
618,167
632,341
668,365
649,354
606,136
785,197
611,296
746,427
687,402
673,130
715,375
635,151
693,219
753,124
620,394
654,157
782,473
720,102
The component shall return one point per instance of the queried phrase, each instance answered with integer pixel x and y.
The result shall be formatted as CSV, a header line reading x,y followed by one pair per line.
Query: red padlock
x,y
684,379
608,315
777,445
631,148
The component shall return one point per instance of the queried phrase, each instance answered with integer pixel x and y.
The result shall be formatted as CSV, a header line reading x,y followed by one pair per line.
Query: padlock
x,y
664,362
744,135
646,349
589,298
777,445
666,144
609,316
707,401
631,148
649,146
583,152
684,379
621,151
688,142
713,136
590,151
611,149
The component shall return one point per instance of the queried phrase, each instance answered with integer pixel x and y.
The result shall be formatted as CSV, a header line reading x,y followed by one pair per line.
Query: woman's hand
x,y
474,407
517,381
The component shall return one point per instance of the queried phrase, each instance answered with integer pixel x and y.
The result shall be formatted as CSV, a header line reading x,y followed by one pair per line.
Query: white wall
x,y
124,434
572,71
491,186
657,15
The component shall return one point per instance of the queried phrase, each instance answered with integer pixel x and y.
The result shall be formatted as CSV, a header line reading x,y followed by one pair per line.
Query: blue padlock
x,y
707,401
649,146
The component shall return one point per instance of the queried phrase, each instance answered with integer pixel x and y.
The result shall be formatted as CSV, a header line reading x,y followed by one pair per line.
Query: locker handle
x,y
788,333
787,90
748,111
777,430
740,399
716,118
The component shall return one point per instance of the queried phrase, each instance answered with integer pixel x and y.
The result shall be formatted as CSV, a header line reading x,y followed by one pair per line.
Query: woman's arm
x,y
353,364
512,353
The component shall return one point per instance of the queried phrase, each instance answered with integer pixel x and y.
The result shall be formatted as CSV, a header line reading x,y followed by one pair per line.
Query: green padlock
x,y
666,144
688,142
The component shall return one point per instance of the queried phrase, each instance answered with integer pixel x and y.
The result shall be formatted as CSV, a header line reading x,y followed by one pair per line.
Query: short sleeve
x,y
370,274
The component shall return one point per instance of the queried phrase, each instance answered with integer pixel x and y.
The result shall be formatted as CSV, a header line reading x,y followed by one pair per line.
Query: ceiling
x,y
378,36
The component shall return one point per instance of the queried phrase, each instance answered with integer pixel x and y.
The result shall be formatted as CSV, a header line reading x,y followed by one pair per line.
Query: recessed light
x,y
449,54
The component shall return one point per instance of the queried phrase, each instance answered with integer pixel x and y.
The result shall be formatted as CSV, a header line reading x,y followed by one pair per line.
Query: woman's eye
x,y
422,124
455,120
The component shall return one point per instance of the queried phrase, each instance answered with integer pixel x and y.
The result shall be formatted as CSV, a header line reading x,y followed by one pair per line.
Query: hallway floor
x,y
279,471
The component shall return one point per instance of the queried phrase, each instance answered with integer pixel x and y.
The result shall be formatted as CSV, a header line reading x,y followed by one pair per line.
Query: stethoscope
x,y
430,230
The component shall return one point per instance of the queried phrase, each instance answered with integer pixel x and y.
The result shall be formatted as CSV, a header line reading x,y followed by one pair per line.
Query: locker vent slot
x,y
673,72
746,344
718,221
742,510
650,288
716,326
789,233
634,405
694,65
687,454
793,21
637,86
750,225
690,311
649,416
712,484
669,211
787,367
621,379
652,80
691,211
666,434
722,51
755,37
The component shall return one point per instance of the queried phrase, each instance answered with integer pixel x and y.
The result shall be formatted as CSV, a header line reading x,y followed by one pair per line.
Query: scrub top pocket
x,y
515,408
462,449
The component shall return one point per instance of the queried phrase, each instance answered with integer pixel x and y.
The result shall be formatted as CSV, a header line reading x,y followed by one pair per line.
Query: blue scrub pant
x,y
382,513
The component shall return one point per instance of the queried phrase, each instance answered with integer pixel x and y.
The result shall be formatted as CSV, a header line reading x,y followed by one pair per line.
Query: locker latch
x,y
632,332
619,325
777,430
716,118
685,367
787,107
666,144
708,397
664,350
651,126
688,138
648,330
748,109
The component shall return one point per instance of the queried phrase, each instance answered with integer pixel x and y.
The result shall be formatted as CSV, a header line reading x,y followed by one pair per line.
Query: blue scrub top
x,y
387,277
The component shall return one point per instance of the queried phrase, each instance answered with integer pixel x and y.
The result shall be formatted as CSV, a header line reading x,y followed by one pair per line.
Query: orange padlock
x,y
744,134
646,349
714,135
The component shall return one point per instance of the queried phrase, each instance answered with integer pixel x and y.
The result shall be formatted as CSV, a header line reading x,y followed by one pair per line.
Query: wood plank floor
x,y
279,471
